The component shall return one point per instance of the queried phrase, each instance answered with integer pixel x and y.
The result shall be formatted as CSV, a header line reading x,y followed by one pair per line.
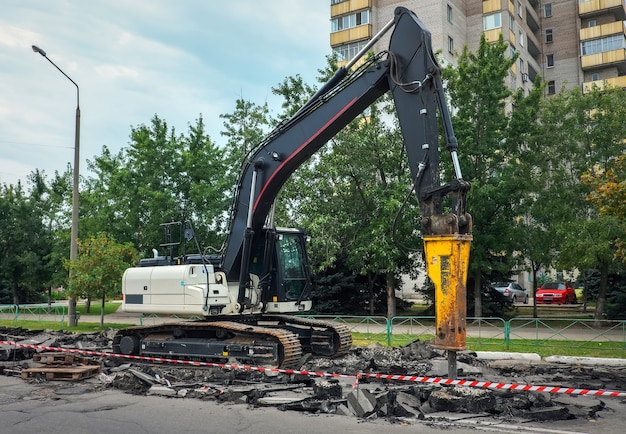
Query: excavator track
x,y
222,341
269,340
327,338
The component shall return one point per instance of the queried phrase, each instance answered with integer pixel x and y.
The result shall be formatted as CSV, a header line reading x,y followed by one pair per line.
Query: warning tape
x,y
417,379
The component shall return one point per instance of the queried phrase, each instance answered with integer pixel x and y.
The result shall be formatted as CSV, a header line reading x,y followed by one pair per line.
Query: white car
x,y
513,291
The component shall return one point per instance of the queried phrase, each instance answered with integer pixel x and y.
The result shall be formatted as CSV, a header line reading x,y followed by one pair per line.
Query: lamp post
x,y
72,320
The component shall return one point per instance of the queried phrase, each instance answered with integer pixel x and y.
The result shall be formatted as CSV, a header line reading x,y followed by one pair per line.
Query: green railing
x,y
496,332
34,312
401,330
575,333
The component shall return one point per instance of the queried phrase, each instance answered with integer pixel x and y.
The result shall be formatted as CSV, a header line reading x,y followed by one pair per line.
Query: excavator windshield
x,y
293,264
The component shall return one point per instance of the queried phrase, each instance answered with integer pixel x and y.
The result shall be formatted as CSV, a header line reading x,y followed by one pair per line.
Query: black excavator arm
x,y
409,70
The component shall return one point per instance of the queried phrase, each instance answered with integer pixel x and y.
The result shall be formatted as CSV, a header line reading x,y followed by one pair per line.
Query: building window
x,y
595,76
450,45
334,2
549,36
348,51
547,10
511,23
551,87
520,10
521,38
601,45
550,60
492,21
449,13
591,23
349,21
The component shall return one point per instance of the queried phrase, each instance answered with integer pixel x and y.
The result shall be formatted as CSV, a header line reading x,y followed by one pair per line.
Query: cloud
x,y
132,60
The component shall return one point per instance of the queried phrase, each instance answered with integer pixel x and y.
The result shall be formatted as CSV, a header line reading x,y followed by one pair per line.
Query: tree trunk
x,y
391,295
102,311
601,301
370,292
478,299
72,321
16,294
88,304
535,268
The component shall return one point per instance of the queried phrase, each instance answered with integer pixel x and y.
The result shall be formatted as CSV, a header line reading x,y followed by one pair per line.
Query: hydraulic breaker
x,y
447,258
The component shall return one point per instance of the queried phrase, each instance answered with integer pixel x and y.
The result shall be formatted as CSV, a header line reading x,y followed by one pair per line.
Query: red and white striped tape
x,y
417,379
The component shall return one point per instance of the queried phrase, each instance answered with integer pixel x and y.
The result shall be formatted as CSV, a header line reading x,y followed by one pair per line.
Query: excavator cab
x,y
280,261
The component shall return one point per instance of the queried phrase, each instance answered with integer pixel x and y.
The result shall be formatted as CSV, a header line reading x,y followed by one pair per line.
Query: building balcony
x,y
602,84
598,7
606,58
349,6
490,6
352,34
603,30
494,34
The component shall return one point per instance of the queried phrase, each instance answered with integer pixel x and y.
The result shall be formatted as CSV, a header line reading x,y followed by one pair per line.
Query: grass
x,y
84,327
542,347
96,308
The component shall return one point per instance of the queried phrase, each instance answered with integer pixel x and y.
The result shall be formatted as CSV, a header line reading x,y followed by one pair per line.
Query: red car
x,y
555,293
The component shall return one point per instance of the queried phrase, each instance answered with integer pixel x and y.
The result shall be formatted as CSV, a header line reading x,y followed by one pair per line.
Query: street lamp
x,y
74,234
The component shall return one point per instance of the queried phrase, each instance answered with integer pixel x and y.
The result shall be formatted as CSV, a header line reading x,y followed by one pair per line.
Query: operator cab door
x,y
280,260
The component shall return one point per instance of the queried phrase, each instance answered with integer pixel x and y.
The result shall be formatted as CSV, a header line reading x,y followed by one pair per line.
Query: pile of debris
x,y
348,394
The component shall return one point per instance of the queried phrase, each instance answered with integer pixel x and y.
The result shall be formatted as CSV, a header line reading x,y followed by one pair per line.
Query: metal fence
x,y
401,330
495,332
33,312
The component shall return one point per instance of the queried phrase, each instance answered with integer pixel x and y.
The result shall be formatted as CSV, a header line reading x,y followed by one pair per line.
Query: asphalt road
x,y
62,407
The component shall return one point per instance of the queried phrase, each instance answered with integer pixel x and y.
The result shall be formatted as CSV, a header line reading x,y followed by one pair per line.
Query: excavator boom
x,y
263,272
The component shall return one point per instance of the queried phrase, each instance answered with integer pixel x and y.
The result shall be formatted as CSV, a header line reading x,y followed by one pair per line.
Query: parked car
x,y
513,291
555,293
580,294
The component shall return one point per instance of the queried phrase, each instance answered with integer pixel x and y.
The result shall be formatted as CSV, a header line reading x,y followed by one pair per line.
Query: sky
x,y
136,59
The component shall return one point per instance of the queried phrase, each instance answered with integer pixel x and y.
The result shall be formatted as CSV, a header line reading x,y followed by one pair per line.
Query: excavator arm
x,y
408,69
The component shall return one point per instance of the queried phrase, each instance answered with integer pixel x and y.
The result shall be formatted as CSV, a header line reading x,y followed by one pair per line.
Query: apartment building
x,y
566,42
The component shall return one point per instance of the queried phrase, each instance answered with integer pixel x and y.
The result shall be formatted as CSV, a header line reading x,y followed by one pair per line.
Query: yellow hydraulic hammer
x,y
447,258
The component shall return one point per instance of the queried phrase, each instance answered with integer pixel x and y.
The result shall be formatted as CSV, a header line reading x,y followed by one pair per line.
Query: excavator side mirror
x,y
189,234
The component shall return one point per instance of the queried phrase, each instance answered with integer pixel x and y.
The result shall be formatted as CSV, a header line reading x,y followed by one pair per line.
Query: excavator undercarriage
x,y
278,341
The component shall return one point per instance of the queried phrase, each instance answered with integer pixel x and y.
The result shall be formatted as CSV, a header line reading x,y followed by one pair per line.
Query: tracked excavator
x,y
246,299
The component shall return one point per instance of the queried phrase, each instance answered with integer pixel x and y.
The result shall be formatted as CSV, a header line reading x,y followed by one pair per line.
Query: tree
x,y
608,195
161,177
99,268
24,241
584,134
477,90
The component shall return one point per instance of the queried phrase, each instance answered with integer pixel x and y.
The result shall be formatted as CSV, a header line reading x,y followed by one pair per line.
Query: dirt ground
x,y
368,398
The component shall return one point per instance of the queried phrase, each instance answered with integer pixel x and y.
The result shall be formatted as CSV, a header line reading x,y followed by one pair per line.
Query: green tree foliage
x,y
585,133
478,93
98,270
348,198
527,167
161,177
24,242
608,195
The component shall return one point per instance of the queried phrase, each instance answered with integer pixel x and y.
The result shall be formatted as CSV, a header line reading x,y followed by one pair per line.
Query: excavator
x,y
246,300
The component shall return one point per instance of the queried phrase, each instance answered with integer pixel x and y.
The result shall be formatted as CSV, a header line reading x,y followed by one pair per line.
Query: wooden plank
x,y
63,373
55,358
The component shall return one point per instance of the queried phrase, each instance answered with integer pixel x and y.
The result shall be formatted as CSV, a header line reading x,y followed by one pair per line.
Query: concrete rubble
x,y
365,398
